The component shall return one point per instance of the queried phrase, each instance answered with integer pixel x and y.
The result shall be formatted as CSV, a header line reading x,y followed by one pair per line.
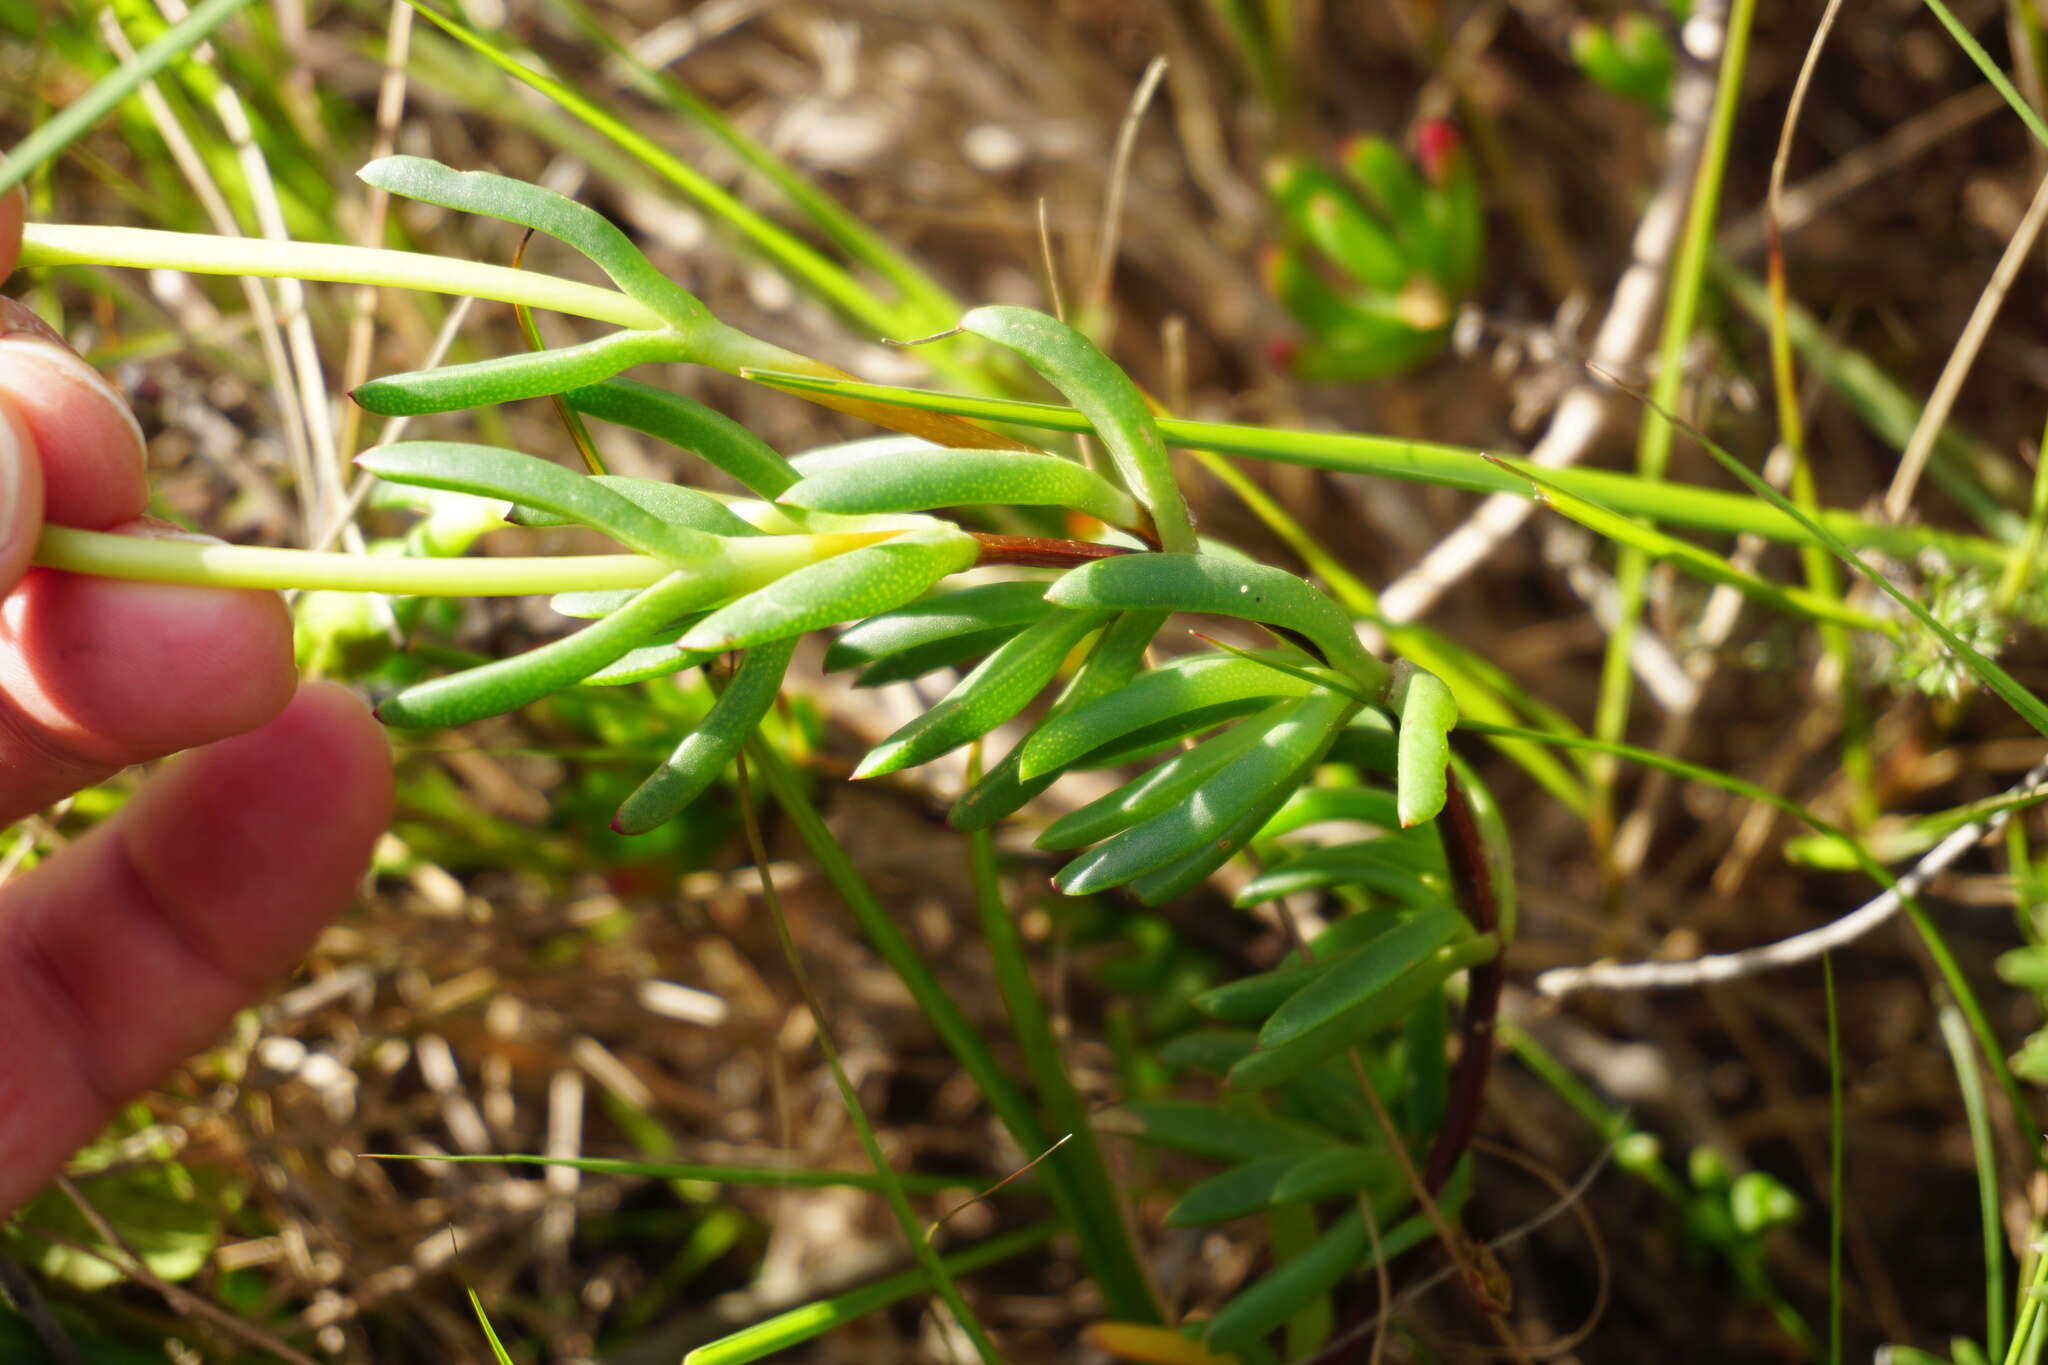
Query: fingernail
x,y
18,319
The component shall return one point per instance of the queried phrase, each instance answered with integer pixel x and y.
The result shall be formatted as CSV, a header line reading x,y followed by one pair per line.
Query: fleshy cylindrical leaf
x,y
688,425
507,684
1213,819
703,755
516,201
508,378
1118,654
1103,393
916,481
491,472
1422,747
1163,787
1222,587
858,583
675,503
1187,684
966,611
1002,686
1360,975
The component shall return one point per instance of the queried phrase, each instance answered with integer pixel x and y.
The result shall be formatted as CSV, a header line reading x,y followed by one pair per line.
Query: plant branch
x,y
1719,967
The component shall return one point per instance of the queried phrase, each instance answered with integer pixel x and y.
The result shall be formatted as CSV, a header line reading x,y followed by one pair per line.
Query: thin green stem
x,y
1653,451
1448,466
48,244
1837,1141
1956,1034
251,566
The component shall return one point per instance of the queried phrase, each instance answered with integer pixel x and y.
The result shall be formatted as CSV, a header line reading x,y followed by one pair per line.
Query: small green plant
x,y
1337,1066
1630,57
1373,264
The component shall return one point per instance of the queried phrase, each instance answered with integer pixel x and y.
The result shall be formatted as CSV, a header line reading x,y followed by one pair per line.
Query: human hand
x,y
132,948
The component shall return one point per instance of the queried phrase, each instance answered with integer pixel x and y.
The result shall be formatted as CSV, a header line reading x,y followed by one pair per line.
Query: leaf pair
x,y
539,373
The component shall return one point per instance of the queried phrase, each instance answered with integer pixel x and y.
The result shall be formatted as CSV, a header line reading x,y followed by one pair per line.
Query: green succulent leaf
x,y
508,378
1101,391
858,583
1204,1130
488,471
674,503
1209,1050
1321,211
508,684
1422,746
1403,871
1361,974
1346,1248
1002,686
1118,655
1323,805
658,658
1193,683
687,425
1235,1193
705,752
1147,741
917,480
841,454
963,613
1216,818
1222,587
1164,787
1394,189
531,206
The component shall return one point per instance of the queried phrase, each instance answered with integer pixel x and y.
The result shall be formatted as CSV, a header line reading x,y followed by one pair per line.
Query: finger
x,y
13,208
21,497
91,448
99,673
134,947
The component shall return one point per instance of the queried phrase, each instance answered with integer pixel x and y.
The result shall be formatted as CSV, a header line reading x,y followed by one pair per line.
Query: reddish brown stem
x,y
1472,883
1043,552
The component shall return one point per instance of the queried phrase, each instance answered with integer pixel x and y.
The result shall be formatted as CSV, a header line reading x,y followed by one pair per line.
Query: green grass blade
x,y
1955,1033
498,1351
1678,504
1126,1290
71,122
2025,703
798,1325
916,481
1982,60
786,251
1080,1154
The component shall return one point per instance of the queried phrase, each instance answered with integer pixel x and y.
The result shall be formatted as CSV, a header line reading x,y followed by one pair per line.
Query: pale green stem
x,y
249,566
47,244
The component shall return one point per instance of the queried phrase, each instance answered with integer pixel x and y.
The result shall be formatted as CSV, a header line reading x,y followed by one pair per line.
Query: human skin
x,y
131,948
